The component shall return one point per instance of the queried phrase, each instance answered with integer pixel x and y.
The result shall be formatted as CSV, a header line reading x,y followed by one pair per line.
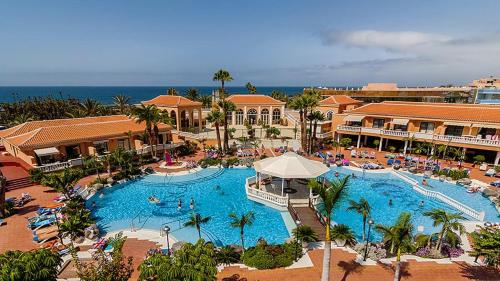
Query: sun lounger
x,y
42,223
44,230
353,153
495,183
2,222
42,211
45,236
490,173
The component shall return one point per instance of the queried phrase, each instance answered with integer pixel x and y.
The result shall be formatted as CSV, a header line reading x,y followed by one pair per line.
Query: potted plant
x,y
342,235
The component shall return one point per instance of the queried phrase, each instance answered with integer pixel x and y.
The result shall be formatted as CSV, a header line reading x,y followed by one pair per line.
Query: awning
x,y
354,118
291,166
457,123
489,126
400,121
46,151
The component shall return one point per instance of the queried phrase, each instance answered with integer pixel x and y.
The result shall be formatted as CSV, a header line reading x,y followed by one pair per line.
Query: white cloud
x,y
391,40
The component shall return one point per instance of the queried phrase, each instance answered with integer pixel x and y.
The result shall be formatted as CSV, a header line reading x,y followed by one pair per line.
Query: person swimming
x,y
390,202
94,205
179,204
337,174
101,195
353,176
422,203
217,187
191,203
424,182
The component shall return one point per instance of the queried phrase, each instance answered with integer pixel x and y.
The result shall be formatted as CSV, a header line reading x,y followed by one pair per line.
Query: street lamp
x,y
167,230
370,223
297,238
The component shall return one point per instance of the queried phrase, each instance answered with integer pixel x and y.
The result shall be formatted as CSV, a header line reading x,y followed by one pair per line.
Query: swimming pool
x,y
379,188
121,204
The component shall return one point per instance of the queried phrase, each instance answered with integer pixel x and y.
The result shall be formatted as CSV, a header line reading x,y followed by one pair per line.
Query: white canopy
x,y
457,124
354,118
46,151
290,166
400,121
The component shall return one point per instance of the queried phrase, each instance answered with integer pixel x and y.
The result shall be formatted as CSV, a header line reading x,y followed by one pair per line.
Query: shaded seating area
x,y
288,174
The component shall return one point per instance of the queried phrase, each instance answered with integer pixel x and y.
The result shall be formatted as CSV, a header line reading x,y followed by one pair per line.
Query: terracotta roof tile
x,y
73,133
338,100
254,99
171,101
440,111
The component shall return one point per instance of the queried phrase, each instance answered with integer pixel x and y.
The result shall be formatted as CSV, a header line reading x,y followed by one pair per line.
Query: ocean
x,y
105,94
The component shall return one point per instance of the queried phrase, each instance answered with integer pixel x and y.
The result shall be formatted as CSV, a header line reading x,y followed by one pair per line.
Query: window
x,y
454,130
101,147
252,116
264,115
239,117
427,127
276,116
398,127
123,143
378,123
329,115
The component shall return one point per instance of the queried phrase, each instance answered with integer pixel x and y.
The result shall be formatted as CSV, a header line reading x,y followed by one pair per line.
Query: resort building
x,y
256,109
56,144
471,127
378,92
487,90
185,113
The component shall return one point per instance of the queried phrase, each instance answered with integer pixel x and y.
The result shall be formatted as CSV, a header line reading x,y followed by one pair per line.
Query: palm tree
x,y
363,208
226,107
216,117
222,76
240,222
90,107
146,114
251,88
171,92
398,238
315,116
206,101
330,195
304,233
299,104
197,220
92,162
35,265
21,118
410,141
129,135
449,221
192,94
122,102
160,117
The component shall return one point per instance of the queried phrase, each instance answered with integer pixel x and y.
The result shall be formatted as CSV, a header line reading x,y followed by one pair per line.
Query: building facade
x,y
47,142
185,113
473,128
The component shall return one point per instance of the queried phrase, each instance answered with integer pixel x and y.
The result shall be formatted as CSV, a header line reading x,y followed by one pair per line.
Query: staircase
x,y
19,183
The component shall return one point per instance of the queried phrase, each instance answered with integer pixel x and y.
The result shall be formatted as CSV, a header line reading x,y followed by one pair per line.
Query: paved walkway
x,y
308,217
343,267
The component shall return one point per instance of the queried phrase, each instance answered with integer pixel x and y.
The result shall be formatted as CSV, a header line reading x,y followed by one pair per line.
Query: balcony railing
x,y
419,135
280,201
52,167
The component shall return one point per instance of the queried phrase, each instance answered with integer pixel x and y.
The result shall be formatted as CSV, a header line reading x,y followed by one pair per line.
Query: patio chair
x,y
353,153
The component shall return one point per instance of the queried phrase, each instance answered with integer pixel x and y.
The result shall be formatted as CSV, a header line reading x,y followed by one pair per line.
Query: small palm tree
x,y
146,114
171,92
240,222
304,233
90,107
330,196
342,234
216,117
222,76
251,88
197,220
398,238
316,116
363,208
92,162
449,221
122,102
192,94
226,107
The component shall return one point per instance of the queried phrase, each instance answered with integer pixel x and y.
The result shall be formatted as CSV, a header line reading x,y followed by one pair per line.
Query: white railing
x,y
279,200
349,128
403,134
324,135
449,201
371,130
52,167
425,136
466,140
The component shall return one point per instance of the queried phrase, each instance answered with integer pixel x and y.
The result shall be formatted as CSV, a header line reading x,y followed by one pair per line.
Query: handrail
x,y
435,194
279,200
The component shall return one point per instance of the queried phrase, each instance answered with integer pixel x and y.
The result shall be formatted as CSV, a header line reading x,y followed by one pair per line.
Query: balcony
x,y
57,166
419,136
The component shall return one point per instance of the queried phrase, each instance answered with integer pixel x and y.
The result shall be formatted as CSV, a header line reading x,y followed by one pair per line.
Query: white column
x,y
432,150
259,117
365,140
497,158
245,113
380,144
405,148
358,144
233,117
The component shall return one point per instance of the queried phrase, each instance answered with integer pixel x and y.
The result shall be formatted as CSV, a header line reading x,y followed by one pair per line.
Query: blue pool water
x,y
122,203
379,188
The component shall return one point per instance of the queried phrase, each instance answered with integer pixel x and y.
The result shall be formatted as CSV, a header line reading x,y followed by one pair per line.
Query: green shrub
x,y
283,260
454,174
233,161
259,258
478,159
210,162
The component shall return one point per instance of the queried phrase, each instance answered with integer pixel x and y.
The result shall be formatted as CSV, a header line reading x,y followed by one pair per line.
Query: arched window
x,y
276,116
329,115
264,115
239,117
252,116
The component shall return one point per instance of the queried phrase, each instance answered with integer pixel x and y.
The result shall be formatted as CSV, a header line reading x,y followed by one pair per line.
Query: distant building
x,y
486,90
378,92
185,113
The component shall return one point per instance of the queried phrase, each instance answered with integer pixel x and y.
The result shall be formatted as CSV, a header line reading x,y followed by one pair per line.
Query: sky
x,y
268,43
